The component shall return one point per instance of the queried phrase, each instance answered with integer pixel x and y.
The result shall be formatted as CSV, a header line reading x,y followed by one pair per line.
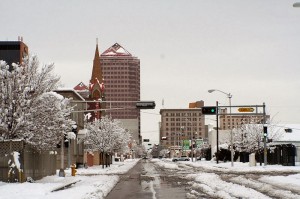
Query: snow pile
x,y
212,185
91,183
165,164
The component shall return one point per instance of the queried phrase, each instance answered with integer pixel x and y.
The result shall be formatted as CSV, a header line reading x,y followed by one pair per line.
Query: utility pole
x,y
217,117
265,137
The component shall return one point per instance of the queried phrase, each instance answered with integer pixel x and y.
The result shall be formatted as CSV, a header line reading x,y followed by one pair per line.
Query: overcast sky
x,y
248,48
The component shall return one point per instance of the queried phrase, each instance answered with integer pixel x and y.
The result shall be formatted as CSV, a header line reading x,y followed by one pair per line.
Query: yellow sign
x,y
246,109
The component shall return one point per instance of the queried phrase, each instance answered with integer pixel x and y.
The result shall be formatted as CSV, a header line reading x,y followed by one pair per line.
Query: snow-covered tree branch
x,y
106,135
28,108
249,136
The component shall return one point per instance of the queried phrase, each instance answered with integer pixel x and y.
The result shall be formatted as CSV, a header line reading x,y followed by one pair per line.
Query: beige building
x,y
181,124
238,120
73,153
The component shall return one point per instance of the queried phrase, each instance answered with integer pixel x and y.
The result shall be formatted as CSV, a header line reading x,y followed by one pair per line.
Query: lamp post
x,y
296,5
192,144
182,134
231,136
192,137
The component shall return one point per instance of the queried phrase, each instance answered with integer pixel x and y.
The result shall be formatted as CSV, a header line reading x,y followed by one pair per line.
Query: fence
x,y
19,161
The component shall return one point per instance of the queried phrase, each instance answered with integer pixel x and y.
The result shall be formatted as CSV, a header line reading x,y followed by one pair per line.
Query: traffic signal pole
x,y
265,137
213,110
217,115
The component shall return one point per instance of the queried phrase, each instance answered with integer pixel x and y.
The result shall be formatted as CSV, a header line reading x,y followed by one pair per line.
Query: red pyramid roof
x,y
116,50
81,86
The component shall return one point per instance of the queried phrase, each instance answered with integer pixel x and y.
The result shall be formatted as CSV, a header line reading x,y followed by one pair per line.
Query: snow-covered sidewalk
x,y
93,182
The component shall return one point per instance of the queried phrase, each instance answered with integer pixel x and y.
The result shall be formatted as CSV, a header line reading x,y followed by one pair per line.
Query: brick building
x,y
121,74
238,120
13,51
181,124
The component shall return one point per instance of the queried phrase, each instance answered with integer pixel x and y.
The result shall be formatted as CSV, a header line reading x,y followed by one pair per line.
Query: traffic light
x,y
265,132
145,105
209,110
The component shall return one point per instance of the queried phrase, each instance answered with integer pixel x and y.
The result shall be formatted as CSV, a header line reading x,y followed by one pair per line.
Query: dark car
x,y
182,158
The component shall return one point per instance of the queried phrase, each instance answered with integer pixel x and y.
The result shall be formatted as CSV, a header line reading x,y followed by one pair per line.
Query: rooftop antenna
x,y
97,41
163,103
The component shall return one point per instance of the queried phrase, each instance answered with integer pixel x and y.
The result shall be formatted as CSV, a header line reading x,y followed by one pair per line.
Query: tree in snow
x,y
106,135
28,108
164,153
249,136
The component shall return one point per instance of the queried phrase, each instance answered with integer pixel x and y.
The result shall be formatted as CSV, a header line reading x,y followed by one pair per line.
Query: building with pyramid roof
x,y
119,71
121,74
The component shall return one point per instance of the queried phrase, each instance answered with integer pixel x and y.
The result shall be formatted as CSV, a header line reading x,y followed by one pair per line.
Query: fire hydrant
x,y
73,170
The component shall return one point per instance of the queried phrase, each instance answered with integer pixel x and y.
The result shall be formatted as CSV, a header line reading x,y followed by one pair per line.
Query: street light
x,y
192,144
192,137
296,5
183,137
231,136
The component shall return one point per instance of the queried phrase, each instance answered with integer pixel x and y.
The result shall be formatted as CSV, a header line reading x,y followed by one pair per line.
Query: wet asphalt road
x,y
145,181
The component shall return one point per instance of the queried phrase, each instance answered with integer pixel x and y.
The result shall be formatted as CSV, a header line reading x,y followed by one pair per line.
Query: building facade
x,y
121,76
73,153
13,51
181,124
238,120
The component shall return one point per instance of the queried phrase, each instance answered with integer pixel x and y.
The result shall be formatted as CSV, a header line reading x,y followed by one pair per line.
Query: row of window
x,y
178,129
183,114
183,119
125,95
182,124
118,65
121,81
178,134
120,86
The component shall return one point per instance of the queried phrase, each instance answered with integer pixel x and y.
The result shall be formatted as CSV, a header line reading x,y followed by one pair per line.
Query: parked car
x,y
182,158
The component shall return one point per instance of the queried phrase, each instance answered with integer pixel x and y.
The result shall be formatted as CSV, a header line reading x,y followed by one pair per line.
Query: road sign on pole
x,y
246,109
145,105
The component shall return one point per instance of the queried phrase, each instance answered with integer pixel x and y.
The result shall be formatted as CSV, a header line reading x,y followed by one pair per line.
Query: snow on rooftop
x,y
116,50
291,132
80,86
71,90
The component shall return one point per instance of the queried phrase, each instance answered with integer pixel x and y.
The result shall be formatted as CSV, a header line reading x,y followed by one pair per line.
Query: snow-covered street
x,y
241,181
201,178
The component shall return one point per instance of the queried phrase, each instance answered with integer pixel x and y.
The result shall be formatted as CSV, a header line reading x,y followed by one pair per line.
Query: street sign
x,y
145,105
199,143
186,144
246,109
